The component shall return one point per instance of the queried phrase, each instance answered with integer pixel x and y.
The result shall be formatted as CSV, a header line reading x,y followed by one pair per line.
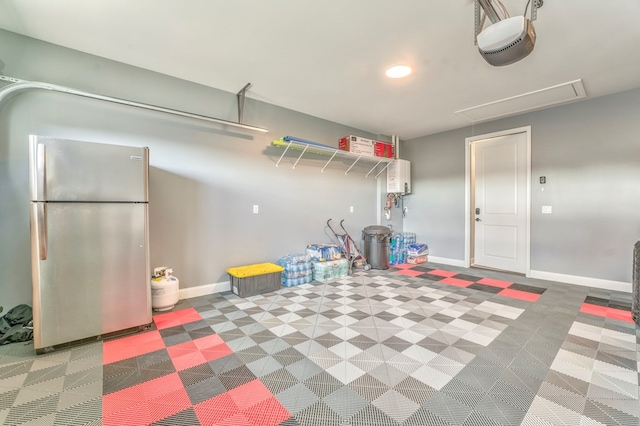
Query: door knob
x,y
477,219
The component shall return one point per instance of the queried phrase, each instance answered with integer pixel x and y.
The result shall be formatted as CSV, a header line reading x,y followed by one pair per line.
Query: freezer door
x,y
66,170
94,276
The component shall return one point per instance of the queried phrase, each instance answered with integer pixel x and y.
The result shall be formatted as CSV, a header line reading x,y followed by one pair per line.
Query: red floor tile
x,y
145,403
168,405
157,388
238,419
126,398
249,394
215,410
410,272
443,273
619,314
182,349
208,341
494,283
129,347
189,354
603,311
267,413
135,415
589,308
189,360
216,352
404,266
456,282
521,295
172,319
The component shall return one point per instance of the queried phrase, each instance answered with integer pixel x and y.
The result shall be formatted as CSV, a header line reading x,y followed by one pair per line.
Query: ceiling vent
x,y
526,102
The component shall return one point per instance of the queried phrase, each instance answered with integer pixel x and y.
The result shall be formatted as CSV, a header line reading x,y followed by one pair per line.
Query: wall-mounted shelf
x,y
290,142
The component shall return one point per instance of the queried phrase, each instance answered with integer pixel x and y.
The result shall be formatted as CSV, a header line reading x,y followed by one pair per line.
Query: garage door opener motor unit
x,y
506,40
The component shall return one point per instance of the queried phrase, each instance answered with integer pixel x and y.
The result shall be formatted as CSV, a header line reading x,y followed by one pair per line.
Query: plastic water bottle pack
x,y
399,247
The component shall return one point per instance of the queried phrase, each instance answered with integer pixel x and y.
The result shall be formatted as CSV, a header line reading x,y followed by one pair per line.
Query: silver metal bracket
x,y
491,13
489,10
535,4
240,96
18,85
476,17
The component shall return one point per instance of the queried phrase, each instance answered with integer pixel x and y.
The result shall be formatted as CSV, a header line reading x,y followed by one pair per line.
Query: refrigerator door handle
x,y
42,229
41,172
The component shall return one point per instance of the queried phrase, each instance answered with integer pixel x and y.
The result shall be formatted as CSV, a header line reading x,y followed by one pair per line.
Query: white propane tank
x,y
164,289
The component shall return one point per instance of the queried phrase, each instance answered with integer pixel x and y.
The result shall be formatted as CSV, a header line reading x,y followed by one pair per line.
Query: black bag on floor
x,y
16,325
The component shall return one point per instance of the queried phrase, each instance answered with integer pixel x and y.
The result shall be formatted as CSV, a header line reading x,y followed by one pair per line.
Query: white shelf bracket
x,y
383,169
354,163
325,166
301,154
373,168
282,156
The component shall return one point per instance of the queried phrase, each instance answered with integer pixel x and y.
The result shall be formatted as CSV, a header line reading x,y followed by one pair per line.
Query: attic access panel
x,y
526,102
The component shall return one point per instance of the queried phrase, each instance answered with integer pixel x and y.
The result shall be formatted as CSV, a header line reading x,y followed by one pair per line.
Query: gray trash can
x,y
376,246
635,303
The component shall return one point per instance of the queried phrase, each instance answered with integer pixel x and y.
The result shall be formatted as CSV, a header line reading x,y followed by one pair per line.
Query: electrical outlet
x,y
546,209
351,209
255,209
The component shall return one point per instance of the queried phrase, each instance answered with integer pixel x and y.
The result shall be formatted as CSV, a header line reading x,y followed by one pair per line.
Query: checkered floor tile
x,y
489,285
414,345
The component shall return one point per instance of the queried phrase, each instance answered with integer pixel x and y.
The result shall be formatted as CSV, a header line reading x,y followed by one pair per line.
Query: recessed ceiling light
x,y
398,71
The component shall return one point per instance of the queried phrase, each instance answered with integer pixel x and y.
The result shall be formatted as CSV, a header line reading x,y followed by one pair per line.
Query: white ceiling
x,y
327,58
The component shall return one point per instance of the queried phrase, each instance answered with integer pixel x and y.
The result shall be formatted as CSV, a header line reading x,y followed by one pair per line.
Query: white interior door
x,y
500,195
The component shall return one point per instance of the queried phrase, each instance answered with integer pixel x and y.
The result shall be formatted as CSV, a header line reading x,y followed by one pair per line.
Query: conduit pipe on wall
x,y
18,85
395,141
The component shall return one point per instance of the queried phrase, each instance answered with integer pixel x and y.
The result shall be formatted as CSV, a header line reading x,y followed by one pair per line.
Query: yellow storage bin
x,y
255,279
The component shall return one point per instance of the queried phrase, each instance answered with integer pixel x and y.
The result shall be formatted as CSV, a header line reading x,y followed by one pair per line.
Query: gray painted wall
x,y
589,152
204,178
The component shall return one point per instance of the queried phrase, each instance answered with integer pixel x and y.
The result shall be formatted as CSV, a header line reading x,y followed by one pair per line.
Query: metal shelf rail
x,y
291,142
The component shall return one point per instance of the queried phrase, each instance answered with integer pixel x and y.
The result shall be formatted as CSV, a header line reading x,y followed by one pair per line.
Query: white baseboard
x,y
447,261
584,281
207,289
204,290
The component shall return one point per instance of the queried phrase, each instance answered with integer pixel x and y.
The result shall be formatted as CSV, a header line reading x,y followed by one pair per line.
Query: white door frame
x,y
467,192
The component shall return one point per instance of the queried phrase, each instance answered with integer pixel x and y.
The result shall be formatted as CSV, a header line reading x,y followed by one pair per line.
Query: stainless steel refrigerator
x,y
89,240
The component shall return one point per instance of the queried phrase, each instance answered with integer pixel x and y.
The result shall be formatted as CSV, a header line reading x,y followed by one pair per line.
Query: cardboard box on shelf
x,y
357,145
383,149
364,146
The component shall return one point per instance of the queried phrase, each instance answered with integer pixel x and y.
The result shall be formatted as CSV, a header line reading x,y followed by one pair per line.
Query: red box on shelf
x,y
357,145
383,149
